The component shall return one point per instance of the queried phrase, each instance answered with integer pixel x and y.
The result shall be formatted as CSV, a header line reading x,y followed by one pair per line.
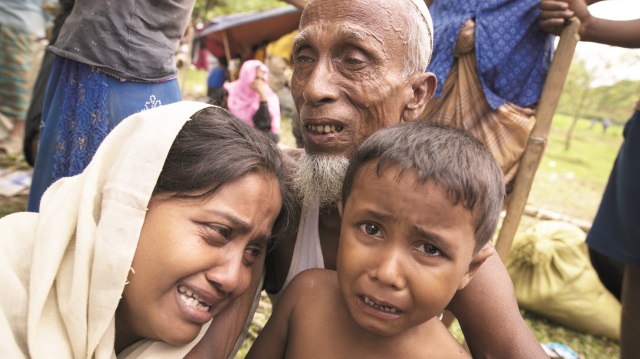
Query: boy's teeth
x,y
370,302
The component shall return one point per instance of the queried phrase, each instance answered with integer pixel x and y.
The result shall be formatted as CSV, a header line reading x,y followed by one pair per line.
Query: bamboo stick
x,y
227,53
538,139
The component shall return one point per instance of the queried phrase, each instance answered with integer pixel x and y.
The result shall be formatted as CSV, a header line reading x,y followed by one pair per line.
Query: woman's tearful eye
x,y
216,235
252,253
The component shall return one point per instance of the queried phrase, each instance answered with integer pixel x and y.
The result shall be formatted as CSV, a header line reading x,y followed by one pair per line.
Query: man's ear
x,y
420,89
477,260
340,208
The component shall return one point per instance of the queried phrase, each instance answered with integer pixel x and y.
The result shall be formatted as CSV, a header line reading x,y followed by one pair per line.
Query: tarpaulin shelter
x,y
236,34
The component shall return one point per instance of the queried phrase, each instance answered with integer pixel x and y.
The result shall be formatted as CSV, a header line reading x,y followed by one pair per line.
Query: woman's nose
x,y
230,275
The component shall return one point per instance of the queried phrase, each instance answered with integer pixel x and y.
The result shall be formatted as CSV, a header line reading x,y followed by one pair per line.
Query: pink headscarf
x,y
243,101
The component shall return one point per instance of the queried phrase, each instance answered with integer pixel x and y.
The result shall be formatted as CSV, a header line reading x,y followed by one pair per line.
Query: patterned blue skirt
x,y
82,105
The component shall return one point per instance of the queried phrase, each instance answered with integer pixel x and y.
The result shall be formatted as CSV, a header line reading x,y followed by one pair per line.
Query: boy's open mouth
x,y
371,303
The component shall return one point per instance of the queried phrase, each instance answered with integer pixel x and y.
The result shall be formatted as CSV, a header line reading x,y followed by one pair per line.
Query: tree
x,y
582,99
576,92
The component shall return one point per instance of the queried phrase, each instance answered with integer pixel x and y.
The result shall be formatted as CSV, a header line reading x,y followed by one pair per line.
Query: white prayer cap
x,y
422,7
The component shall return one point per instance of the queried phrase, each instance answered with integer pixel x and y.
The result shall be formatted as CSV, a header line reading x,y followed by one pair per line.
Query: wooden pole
x,y
184,72
227,52
538,139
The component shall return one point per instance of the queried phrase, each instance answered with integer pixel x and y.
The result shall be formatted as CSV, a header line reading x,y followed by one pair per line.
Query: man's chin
x,y
326,149
318,179
328,145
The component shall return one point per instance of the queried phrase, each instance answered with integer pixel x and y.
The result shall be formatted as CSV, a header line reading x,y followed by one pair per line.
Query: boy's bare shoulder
x,y
436,342
314,281
316,287
312,288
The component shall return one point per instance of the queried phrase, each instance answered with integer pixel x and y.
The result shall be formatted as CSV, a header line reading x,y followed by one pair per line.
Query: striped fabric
x,y
15,61
504,131
507,36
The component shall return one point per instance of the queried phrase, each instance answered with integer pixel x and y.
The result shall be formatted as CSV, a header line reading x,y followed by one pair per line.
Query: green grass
x,y
571,182
193,84
588,346
18,203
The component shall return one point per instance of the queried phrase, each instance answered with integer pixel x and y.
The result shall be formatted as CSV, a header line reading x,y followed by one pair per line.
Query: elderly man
x,y
360,66
353,75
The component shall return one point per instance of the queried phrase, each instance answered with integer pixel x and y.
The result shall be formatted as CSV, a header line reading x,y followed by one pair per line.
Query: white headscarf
x,y
63,270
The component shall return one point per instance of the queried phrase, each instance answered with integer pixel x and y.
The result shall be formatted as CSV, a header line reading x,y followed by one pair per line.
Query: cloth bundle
x,y
552,275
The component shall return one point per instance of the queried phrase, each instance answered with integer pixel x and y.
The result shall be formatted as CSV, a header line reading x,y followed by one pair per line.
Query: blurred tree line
x,y
581,99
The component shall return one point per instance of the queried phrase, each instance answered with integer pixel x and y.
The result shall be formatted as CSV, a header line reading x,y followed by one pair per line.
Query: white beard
x,y
318,179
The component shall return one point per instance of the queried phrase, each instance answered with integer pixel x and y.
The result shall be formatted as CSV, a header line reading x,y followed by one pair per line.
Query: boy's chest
x,y
327,330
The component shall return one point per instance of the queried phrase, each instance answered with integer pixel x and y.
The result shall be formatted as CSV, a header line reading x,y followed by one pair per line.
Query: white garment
x,y
307,252
63,270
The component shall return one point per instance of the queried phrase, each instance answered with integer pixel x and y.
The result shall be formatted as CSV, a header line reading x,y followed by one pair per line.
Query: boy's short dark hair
x,y
450,157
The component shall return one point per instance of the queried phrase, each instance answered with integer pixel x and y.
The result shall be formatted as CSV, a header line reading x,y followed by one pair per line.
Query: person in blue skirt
x,y
113,59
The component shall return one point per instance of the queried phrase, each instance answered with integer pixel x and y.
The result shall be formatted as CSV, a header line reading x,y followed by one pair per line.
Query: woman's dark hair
x,y
215,148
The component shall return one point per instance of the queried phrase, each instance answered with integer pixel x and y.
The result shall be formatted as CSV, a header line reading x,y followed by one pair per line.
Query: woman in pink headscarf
x,y
252,100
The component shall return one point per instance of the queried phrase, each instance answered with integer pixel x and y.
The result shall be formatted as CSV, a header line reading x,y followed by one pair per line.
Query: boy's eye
x,y
429,250
371,229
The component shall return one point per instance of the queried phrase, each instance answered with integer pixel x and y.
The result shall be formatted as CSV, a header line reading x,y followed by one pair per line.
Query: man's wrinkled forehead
x,y
348,33
376,12
352,20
